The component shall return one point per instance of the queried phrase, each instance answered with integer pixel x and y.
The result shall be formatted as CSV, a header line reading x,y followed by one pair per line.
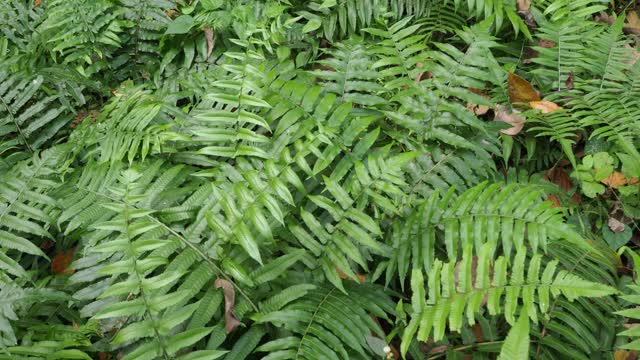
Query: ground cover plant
x,y
325,179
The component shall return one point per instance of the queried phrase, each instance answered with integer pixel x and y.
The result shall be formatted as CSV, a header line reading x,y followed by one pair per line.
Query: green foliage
x,y
286,179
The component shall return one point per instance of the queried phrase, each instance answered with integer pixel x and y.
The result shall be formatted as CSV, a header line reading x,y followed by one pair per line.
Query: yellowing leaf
x,y
520,90
544,106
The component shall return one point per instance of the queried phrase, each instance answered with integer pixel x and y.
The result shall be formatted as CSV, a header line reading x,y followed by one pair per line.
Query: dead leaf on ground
x,y
569,81
230,320
60,263
439,349
423,75
546,43
511,118
615,225
477,332
520,90
625,355
475,108
82,115
560,177
632,21
634,55
524,5
544,106
361,278
617,179
211,40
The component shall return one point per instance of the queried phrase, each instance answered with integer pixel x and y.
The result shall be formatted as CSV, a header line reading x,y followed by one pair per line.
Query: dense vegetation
x,y
290,179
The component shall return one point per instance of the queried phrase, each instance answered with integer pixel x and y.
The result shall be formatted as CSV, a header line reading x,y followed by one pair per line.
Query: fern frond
x,y
350,75
133,125
325,321
234,126
27,118
81,31
558,126
137,295
458,290
27,209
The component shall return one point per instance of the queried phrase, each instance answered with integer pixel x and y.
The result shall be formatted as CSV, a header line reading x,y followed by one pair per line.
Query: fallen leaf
x,y
103,356
625,355
48,244
83,115
544,106
230,320
477,332
559,176
60,263
478,109
439,349
474,270
361,278
524,5
520,90
632,20
211,40
617,179
615,225
517,122
569,81
605,18
37,3
546,43
633,54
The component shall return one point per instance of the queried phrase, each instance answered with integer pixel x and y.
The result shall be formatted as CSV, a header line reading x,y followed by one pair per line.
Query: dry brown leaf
x,y
37,3
474,270
517,122
569,81
634,55
478,109
477,332
625,355
230,320
615,225
361,278
524,5
560,177
632,20
546,43
617,179
544,106
60,263
211,40
520,90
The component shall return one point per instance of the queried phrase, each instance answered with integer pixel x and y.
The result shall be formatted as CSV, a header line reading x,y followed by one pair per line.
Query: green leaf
x,y
516,345
312,25
181,25
212,4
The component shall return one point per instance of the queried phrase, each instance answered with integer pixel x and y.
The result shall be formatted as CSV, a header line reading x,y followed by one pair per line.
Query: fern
x,y
238,179
26,118
81,31
324,321
450,296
